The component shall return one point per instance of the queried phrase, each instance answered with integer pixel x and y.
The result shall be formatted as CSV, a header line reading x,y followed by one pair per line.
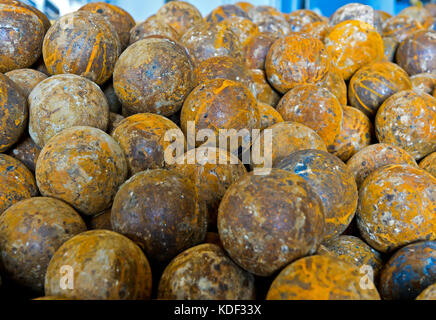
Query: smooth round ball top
x,y
428,294
151,27
84,167
409,271
16,182
390,48
425,82
142,138
329,177
27,152
397,206
262,89
205,272
400,27
30,233
65,101
321,278
82,43
375,156
42,17
255,49
212,171
105,266
267,221
417,54
225,68
21,37
275,24
355,134
335,84
268,115
298,19
179,15
354,251
371,85
224,12
120,19
296,60
168,79
353,44
429,164
317,30
288,137
159,210
26,79
221,104
246,6
357,11
243,28
407,119
315,107
419,14
208,41
13,113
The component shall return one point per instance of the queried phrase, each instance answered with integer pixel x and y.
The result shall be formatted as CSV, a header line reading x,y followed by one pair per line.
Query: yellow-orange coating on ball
x,y
42,17
296,60
21,37
179,15
205,272
429,164
317,30
425,82
168,79
335,84
26,79
82,166
82,43
275,24
243,28
224,12
428,294
408,119
30,233
13,113
419,14
16,182
298,19
106,266
315,107
397,206
262,89
375,156
142,138
320,278
151,27
355,134
390,48
256,48
268,115
400,27
246,6
26,151
353,44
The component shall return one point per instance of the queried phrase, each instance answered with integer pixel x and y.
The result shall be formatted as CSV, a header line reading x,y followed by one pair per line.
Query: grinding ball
x,y
400,27
419,14
262,89
268,115
224,12
179,15
357,11
298,19
390,48
42,17
317,30
255,49
151,27
243,28
26,79
275,24
425,82
335,84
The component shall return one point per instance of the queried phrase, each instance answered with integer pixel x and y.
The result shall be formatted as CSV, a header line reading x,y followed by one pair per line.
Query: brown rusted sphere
x,y
26,79
268,115
396,207
390,48
256,48
359,12
142,138
298,19
64,101
267,221
30,233
114,121
335,84
257,13
296,60
330,178
159,210
407,119
42,17
13,113
16,182
101,221
112,99
21,38
82,43
409,271
371,85
243,28
425,82
224,12
262,89
275,24
26,151
315,107
355,134
105,266
317,30
120,19
208,41
168,81
429,164
400,27
151,27
353,44
179,15
288,137
205,272
419,14
212,172
221,104
321,278
417,54
224,68
375,156
82,166
428,294
354,251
